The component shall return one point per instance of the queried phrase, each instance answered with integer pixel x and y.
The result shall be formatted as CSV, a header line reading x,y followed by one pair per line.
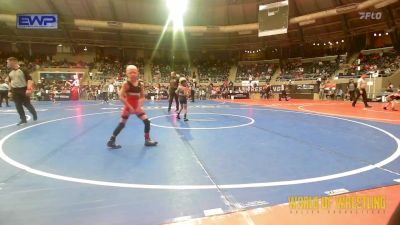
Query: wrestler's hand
x,y
131,109
28,92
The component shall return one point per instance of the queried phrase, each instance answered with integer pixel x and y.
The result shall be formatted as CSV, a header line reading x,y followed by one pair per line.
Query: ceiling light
x,y
177,9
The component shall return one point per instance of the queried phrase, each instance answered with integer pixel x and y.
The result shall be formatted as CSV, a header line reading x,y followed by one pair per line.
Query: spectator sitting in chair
x,y
392,100
339,94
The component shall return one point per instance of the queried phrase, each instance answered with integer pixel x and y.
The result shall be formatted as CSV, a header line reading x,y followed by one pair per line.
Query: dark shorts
x,y
182,100
4,93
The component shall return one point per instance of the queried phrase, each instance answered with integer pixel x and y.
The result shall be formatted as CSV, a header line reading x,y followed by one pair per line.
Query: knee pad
x,y
146,125
140,114
118,129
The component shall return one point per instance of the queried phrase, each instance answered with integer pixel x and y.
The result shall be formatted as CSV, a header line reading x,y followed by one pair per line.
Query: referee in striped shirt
x,y
21,89
362,91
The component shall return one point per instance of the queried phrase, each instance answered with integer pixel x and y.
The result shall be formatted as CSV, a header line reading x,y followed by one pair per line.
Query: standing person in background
x,y
322,90
209,91
158,91
111,90
3,92
283,93
193,89
351,88
318,84
21,89
75,88
361,91
104,91
268,91
173,85
53,94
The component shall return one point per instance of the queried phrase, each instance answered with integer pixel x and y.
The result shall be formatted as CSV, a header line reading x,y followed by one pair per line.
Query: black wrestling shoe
x,y
149,142
22,122
178,117
111,144
186,119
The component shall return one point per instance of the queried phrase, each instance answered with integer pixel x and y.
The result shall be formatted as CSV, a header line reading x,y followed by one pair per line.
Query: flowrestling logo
x,y
370,15
37,21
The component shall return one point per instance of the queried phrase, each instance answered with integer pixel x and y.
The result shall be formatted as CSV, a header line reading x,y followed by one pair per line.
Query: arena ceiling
x,y
210,13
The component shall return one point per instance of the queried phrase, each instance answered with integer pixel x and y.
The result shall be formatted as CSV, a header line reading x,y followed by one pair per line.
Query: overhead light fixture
x,y
86,28
85,49
245,32
374,34
59,45
337,42
346,8
342,41
313,44
308,22
387,33
177,9
380,34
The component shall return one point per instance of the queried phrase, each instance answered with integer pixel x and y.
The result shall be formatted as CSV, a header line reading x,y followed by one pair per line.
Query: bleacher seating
x,y
297,70
384,63
213,71
261,71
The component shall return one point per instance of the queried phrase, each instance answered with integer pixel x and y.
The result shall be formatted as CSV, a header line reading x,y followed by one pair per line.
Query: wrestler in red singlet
x,y
132,95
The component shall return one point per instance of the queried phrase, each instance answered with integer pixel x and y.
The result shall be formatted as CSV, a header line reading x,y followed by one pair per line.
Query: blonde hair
x,y
12,59
131,67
